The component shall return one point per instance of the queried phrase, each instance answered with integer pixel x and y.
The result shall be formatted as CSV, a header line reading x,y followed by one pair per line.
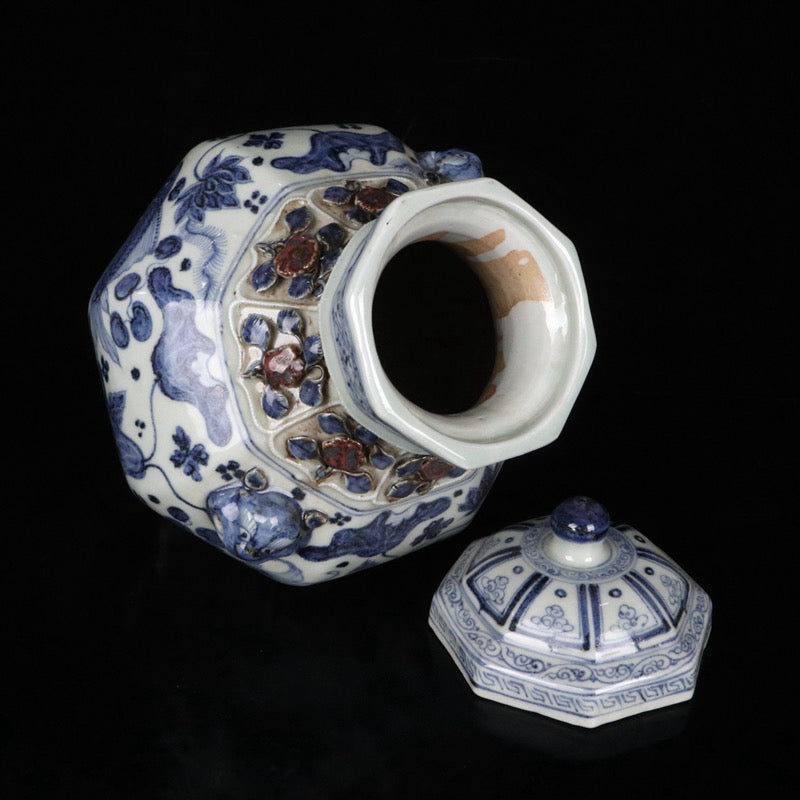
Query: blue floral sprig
x,y
186,456
214,189
269,141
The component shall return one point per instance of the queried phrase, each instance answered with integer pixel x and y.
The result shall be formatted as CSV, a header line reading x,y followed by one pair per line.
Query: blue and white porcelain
x,y
234,339
573,618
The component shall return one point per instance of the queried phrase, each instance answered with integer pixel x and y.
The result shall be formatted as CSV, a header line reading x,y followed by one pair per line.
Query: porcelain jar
x,y
234,337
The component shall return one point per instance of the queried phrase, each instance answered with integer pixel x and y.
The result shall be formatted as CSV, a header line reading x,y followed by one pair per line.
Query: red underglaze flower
x,y
298,255
344,454
283,366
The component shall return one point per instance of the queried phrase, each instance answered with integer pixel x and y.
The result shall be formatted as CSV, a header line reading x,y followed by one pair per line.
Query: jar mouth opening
x,y
532,281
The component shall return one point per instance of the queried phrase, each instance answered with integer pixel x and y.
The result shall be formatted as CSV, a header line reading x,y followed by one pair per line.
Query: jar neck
x,y
532,280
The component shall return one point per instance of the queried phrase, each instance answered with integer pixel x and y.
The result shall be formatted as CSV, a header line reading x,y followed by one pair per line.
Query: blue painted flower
x,y
188,457
214,189
269,141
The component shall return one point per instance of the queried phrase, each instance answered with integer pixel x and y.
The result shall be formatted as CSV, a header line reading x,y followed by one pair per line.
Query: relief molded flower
x,y
284,366
302,257
348,453
215,188
418,474
361,203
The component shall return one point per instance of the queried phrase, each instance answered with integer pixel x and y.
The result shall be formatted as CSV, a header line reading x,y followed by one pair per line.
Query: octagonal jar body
x,y
233,335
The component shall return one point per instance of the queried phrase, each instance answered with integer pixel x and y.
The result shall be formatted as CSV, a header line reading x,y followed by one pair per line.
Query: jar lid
x,y
573,618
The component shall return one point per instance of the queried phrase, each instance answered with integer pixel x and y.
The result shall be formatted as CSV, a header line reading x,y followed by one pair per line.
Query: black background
x,y
148,665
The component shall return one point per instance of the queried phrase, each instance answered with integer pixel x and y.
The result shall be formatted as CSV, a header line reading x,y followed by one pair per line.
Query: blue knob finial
x,y
580,519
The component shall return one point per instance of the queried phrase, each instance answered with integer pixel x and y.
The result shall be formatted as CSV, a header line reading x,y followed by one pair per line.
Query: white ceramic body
x,y
233,334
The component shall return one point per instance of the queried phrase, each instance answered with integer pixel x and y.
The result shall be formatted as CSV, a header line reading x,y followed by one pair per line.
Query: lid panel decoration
x,y
586,623
230,382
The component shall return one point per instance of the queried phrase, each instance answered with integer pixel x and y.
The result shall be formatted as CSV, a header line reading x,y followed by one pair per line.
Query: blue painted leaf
x,y
178,514
332,234
264,276
310,392
401,489
274,403
300,286
181,438
302,447
299,219
337,195
167,247
141,322
329,258
119,333
357,215
358,484
290,322
456,472
396,187
312,349
410,467
380,460
364,436
256,331
126,286
332,423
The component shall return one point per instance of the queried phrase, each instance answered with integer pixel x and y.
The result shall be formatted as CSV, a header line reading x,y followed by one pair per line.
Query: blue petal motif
x,y
141,322
332,423
364,436
310,392
332,235
358,484
300,286
290,322
410,467
256,331
274,403
312,349
298,219
126,285
167,247
119,333
338,195
380,460
264,276
396,187
401,489
302,447
358,215
178,514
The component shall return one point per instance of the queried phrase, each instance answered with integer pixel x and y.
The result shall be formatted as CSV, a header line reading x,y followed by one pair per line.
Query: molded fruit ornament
x,y
573,618
234,337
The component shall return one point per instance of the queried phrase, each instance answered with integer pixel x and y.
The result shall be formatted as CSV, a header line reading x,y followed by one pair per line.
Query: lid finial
x,y
580,519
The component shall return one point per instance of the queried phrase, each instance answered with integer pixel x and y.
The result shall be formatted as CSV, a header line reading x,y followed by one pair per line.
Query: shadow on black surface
x,y
561,740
